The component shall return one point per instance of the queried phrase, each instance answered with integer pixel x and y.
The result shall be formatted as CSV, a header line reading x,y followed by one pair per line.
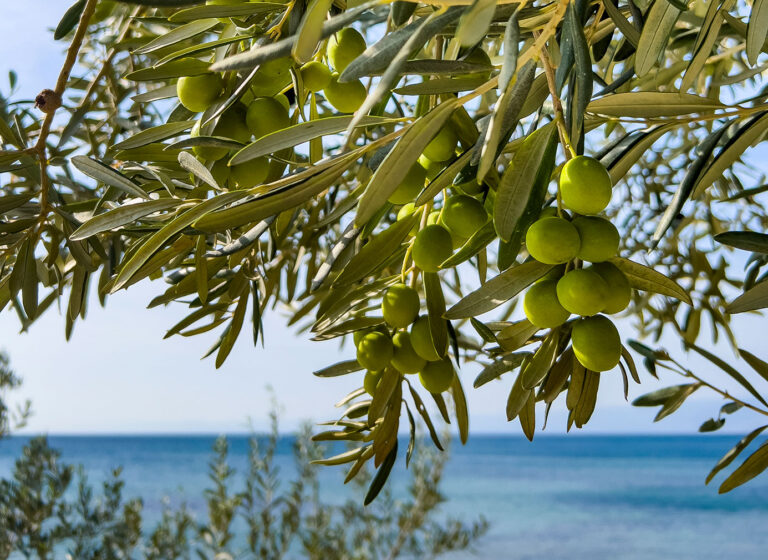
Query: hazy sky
x,y
118,375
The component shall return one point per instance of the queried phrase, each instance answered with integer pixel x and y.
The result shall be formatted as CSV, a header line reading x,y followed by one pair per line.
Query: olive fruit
x,y
410,187
585,185
343,47
357,336
599,238
596,343
231,125
464,215
315,76
197,93
374,351
437,376
552,240
433,168
542,307
266,115
251,173
221,172
400,305
421,340
371,381
345,97
582,291
405,359
432,246
443,146
619,291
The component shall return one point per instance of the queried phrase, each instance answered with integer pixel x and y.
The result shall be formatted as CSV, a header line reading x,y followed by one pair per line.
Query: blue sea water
x,y
580,497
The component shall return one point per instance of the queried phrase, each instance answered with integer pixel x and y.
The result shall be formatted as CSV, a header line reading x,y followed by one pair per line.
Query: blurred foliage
x,y
48,509
119,182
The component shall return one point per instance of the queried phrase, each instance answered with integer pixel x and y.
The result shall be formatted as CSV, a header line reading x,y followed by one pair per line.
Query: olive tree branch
x,y
40,148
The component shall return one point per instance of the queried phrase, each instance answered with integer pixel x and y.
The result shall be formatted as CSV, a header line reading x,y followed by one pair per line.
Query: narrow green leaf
x,y
474,22
105,174
381,476
760,366
69,20
733,151
658,25
649,104
174,69
181,33
746,240
730,370
299,134
498,290
224,11
438,327
749,469
734,452
340,368
754,298
310,30
235,326
120,216
757,30
154,134
375,252
525,179
644,278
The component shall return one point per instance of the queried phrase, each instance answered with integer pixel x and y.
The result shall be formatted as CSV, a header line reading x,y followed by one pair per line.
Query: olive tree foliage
x,y
50,509
105,191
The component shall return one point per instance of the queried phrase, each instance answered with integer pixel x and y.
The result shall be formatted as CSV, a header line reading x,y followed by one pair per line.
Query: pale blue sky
x,y
118,375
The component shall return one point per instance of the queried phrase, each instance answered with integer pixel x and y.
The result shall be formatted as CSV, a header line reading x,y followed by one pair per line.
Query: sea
x,y
570,497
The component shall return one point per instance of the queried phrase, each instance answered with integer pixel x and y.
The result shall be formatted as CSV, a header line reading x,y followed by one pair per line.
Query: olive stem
x,y
556,104
688,373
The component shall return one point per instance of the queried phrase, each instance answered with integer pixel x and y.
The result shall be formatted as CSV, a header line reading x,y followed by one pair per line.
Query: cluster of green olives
x,y
449,227
403,350
585,189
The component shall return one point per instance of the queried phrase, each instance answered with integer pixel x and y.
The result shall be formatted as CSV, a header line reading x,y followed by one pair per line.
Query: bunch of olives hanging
x,y
571,287
403,350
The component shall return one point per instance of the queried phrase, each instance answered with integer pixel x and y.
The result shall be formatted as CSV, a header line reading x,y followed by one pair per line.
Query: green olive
x,y
552,240
582,292
266,115
400,305
596,343
343,47
585,185
432,246
315,75
437,376
251,173
405,358
410,187
619,290
345,97
464,215
421,339
542,307
197,93
443,146
374,351
599,238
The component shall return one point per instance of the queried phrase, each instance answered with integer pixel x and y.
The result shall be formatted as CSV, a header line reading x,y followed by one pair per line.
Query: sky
x,y
117,375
